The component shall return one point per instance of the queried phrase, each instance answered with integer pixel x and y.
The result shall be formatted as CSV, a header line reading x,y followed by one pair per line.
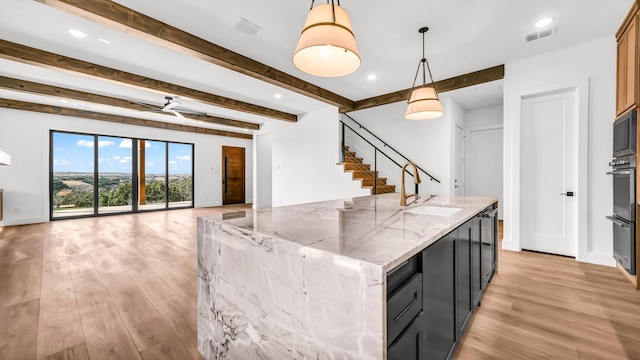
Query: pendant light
x,y
327,46
423,103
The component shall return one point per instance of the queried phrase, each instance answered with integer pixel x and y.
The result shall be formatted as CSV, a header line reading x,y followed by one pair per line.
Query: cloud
x,y
127,144
149,163
85,143
116,158
172,162
100,161
105,143
125,159
183,158
60,162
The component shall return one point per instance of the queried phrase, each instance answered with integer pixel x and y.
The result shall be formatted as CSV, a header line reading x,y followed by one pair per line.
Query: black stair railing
x,y
377,150
385,144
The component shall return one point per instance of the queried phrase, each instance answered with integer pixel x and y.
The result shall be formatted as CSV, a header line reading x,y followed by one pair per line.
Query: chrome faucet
x,y
416,180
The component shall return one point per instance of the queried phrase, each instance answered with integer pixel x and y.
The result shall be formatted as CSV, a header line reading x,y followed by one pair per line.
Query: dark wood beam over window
x,y
121,18
458,82
56,110
32,56
49,90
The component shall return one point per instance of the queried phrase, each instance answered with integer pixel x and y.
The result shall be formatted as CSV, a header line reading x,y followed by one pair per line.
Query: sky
x,y
74,153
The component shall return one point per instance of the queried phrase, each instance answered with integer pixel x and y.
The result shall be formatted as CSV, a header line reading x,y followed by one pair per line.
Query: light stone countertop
x,y
373,229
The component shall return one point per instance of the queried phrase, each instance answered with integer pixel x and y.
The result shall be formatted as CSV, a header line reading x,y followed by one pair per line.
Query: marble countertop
x,y
373,229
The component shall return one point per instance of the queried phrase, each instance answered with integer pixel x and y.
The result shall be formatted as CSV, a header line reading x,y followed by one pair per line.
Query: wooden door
x,y
233,184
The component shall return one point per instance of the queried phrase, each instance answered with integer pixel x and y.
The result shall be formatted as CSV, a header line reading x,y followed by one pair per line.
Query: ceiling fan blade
x,y
170,105
176,113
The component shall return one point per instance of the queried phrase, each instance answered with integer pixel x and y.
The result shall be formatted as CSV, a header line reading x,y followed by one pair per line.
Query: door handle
x,y
568,193
617,222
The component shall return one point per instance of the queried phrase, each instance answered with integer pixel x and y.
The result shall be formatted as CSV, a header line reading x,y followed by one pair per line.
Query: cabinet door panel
x,y
410,344
476,275
621,75
463,277
630,93
439,301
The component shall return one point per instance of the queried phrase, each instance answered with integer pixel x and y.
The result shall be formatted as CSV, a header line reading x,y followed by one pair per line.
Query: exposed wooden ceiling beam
x,y
121,18
458,82
49,90
56,110
28,55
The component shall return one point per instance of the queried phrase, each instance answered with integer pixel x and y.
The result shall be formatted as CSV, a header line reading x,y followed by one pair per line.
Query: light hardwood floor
x,y
124,287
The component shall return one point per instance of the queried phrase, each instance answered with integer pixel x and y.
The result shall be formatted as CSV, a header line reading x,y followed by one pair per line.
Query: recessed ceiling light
x,y
278,96
245,130
544,22
77,33
64,101
371,77
105,41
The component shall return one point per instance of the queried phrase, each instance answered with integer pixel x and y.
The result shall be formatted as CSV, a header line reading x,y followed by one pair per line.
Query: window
x,y
159,175
115,175
152,171
180,175
73,177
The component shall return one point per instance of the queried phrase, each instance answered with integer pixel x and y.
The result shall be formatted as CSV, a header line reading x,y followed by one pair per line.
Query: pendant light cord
x,y
424,73
424,60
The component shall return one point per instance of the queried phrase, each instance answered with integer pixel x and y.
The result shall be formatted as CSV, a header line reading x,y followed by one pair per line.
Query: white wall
x,y
484,116
593,64
25,135
304,159
263,164
429,143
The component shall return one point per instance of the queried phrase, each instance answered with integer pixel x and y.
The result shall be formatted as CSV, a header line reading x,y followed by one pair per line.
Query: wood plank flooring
x,y
124,287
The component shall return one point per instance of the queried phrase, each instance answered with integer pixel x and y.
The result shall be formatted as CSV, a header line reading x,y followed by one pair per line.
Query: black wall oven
x,y
624,134
624,211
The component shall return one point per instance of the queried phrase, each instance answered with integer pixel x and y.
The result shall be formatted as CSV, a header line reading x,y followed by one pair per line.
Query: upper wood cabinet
x,y
627,66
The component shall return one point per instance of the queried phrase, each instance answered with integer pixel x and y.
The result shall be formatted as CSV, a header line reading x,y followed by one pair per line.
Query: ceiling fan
x,y
170,106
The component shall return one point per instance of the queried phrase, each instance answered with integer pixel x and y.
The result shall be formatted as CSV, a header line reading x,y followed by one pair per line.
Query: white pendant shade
x,y
326,48
423,104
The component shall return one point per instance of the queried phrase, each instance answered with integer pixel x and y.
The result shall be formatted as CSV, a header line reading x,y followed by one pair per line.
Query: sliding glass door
x,y
152,170
180,174
129,174
73,177
115,176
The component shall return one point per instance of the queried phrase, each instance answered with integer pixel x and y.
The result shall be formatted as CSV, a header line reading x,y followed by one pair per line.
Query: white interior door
x,y
484,164
549,167
459,166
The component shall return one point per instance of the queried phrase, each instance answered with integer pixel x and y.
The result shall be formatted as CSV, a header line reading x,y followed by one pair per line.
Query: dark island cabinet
x,y
463,277
476,259
411,344
439,295
432,296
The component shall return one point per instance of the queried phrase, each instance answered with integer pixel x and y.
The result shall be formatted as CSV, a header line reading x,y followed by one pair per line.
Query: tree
x,y
82,199
155,192
120,195
180,189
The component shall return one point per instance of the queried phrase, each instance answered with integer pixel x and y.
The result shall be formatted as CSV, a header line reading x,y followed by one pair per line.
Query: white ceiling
x,y
465,36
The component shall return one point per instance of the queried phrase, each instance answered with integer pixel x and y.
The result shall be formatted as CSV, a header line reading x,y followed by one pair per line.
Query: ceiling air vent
x,y
247,26
540,34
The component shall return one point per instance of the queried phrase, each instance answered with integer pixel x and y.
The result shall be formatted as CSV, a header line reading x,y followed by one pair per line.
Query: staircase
x,y
363,172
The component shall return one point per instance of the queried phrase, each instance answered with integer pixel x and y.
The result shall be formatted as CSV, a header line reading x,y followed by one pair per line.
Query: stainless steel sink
x,y
433,210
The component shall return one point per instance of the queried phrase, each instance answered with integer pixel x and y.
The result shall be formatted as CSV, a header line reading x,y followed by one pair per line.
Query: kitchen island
x,y
324,280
